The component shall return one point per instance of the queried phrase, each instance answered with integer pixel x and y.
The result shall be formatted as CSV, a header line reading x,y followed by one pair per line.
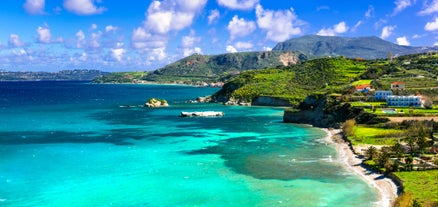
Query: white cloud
x,y
387,31
157,54
435,44
117,54
231,49
214,15
370,12
243,45
339,28
356,26
188,44
93,26
168,15
95,40
267,48
403,41
238,4
83,7
401,5
34,7
80,39
430,9
141,39
110,28
280,25
14,41
44,35
432,26
239,27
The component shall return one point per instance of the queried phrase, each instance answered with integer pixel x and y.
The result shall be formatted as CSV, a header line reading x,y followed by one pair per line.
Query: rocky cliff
x,y
326,112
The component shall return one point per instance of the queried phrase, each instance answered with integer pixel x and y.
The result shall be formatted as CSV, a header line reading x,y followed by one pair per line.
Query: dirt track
x,y
420,118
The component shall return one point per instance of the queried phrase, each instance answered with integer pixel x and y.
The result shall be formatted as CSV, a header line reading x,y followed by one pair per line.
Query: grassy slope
x,y
422,184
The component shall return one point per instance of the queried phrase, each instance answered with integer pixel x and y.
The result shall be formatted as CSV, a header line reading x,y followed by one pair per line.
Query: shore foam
x,y
385,187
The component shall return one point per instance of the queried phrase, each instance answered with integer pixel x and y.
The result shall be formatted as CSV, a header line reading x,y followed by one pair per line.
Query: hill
x,y
63,75
333,76
216,67
361,47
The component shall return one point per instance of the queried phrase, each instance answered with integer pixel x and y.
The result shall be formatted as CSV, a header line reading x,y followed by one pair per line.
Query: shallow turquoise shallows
x,y
72,144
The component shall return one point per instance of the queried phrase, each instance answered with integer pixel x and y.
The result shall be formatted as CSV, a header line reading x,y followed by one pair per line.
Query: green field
x,y
422,184
375,136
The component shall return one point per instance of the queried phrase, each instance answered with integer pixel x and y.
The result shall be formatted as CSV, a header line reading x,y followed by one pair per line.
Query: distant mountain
x,y
315,46
213,67
63,75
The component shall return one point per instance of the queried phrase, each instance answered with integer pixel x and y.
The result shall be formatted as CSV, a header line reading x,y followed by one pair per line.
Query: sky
x,y
144,35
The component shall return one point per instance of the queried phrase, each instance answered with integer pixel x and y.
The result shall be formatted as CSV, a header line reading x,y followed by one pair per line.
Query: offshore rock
x,y
154,102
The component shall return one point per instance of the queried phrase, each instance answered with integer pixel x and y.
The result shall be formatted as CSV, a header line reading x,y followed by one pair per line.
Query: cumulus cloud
x,y
14,41
231,49
83,7
80,39
141,39
403,41
239,27
163,17
44,35
188,44
117,54
243,45
238,4
339,28
430,8
93,26
432,26
387,31
401,5
34,7
214,15
267,48
169,15
279,25
110,28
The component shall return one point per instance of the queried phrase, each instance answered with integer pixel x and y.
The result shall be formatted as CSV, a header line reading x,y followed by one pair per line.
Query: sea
x,y
82,144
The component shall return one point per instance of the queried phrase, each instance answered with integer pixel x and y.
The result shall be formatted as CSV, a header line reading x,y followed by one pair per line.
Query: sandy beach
x,y
386,188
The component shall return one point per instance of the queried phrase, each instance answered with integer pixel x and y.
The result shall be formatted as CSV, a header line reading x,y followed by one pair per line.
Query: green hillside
x,y
121,77
295,82
334,76
216,67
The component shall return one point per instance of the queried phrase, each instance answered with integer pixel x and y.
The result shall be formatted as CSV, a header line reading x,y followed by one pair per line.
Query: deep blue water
x,y
71,144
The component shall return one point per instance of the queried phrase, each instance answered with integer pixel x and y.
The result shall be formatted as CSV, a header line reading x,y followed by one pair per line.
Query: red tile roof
x,y
398,83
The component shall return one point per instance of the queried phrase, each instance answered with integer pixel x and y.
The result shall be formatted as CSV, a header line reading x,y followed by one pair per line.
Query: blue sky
x,y
138,35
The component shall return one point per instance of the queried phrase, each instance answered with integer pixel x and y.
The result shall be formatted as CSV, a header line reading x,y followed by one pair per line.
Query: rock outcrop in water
x,y
154,102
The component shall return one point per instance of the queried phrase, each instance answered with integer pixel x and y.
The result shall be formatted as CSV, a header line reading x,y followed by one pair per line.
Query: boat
x,y
202,114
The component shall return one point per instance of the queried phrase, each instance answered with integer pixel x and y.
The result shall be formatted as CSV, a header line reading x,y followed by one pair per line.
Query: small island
x,y
155,102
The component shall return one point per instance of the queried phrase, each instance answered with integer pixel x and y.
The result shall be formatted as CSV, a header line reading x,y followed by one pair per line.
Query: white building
x,y
381,95
414,101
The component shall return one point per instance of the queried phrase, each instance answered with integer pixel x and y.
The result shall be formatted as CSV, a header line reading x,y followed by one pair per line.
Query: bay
x,y
72,144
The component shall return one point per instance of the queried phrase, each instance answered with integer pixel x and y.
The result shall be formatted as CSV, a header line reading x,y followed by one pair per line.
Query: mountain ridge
x,y
367,47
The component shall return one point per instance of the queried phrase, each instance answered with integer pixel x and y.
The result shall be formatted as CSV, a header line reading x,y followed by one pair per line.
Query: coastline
x,y
385,187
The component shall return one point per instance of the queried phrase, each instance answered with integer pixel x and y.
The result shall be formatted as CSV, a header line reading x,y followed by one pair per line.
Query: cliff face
x,y
328,113
270,101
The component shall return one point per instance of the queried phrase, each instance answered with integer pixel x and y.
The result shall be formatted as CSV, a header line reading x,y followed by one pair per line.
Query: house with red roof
x,y
398,85
362,88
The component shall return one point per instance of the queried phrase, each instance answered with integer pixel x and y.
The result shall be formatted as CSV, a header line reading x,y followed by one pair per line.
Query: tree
x,y
397,149
371,152
409,163
411,143
348,127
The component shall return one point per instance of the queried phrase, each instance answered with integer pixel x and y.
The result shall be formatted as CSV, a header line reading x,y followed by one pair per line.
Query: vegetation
x,y
294,82
423,190
213,68
121,77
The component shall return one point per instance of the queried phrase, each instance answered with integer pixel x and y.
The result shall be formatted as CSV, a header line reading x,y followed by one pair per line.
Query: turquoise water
x,y
70,144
